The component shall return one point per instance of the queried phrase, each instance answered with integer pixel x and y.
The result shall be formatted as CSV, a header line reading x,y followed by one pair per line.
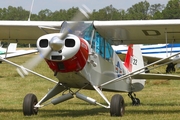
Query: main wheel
x,y
30,100
117,106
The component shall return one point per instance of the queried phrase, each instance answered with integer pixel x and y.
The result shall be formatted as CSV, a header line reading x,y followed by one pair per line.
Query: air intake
x,y
56,57
69,42
43,43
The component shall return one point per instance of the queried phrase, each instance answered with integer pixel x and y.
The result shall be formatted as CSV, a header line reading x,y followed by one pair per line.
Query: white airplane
x,y
152,53
81,57
11,48
12,52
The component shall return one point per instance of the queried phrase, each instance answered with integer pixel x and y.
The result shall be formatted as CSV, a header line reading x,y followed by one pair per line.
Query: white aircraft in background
x,y
81,57
11,48
12,52
152,53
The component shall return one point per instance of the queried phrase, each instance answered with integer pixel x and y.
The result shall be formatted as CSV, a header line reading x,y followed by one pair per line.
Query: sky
x,y
54,5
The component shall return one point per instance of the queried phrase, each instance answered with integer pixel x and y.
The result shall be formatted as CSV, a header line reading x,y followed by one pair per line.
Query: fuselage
x,y
85,60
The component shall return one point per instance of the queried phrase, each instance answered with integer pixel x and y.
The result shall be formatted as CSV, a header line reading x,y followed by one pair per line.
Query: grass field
x,y
160,100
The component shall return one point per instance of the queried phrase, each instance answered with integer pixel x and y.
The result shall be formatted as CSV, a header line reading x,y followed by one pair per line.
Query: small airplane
x,y
11,51
152,53
11,48
81,57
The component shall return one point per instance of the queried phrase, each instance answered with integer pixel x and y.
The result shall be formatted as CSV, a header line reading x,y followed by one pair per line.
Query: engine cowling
x,y
71,57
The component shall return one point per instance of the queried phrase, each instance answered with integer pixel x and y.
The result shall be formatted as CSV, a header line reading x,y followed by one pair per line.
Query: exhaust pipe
x,y
62,98
85,98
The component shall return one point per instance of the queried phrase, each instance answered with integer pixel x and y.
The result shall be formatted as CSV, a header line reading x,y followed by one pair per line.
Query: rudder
x,y
134,59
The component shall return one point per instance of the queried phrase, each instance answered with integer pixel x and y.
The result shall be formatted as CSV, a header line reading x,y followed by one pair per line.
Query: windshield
x,y
76,28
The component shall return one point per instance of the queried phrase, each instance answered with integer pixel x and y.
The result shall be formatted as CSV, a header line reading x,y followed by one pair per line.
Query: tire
x,y
117,106
30,100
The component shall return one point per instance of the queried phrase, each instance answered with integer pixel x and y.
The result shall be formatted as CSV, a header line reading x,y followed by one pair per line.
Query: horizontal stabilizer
x,y
156,76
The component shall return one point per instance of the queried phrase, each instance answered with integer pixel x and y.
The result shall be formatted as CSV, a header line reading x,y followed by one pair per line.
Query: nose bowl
x,y
56,43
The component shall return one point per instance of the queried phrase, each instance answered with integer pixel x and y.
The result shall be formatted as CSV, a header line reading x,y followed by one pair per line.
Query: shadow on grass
x,y
95,111
151,112
75,113
63,113
155,104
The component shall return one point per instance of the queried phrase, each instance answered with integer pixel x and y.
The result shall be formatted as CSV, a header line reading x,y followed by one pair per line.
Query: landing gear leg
x,y
170,68
135,101
147,70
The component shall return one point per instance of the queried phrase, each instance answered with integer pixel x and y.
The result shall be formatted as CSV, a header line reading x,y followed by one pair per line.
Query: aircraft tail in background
x,y
134,59
12,47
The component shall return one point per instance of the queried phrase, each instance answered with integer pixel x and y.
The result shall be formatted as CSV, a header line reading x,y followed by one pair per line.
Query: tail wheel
x,y
30,100
117,107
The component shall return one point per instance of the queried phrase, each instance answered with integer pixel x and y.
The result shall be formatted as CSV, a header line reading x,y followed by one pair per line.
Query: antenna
x,y
31,10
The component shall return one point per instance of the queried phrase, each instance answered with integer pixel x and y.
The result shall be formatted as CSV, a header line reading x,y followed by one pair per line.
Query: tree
x,y
138,11
45,14
70,13
59,15
172,10
13,13
155,10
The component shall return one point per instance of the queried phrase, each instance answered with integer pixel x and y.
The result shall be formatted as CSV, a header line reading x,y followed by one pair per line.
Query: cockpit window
x,y
98,44
76,28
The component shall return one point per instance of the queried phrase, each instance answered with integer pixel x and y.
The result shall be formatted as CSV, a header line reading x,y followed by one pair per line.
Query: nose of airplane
x,y
56,43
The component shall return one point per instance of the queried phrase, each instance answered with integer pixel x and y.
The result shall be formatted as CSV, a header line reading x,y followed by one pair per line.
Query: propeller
x,y
56,43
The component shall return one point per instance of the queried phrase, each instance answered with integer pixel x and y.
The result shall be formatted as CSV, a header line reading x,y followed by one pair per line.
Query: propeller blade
x,y
32,63
82,14
55,43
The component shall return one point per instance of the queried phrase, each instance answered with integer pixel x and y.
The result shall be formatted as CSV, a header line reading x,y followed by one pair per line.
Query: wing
x,y
150,59
139,31
156,76
18,53
26,31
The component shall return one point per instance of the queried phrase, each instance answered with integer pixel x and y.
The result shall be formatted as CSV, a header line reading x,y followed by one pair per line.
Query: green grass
x,y
159,99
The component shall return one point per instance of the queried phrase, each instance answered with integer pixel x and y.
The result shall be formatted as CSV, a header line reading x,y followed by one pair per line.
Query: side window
x,y
102,47
108,51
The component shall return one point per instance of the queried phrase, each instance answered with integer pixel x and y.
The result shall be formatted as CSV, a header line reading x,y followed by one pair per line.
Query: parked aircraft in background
x,y
152,53
11,48
81,57
12,51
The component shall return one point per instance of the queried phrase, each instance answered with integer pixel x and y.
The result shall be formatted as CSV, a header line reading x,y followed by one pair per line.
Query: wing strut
x,y
102,95
30,12
166,42
136,71
27,70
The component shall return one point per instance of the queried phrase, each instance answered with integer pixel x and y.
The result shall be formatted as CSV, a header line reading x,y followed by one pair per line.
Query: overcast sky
x,y
54,5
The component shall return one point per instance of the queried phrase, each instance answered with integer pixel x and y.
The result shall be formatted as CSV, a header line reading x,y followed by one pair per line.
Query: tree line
x,y
139,11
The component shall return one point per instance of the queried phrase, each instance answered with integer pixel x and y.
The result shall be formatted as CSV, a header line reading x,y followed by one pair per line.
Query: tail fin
x,y
12,47
134,59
